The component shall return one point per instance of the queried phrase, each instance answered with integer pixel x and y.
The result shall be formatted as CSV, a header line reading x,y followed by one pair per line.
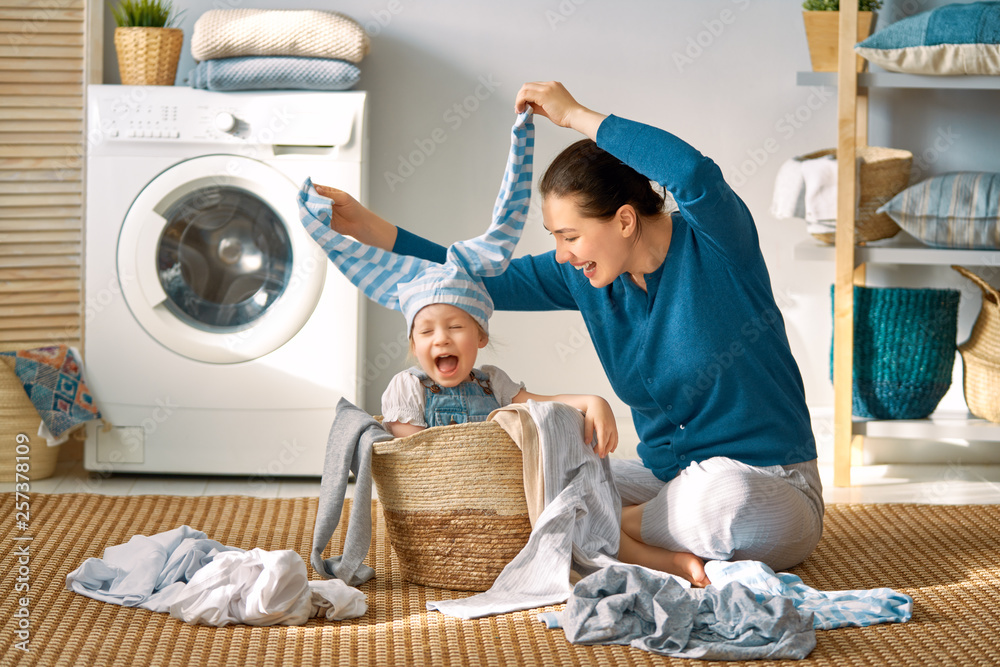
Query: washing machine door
x,y
214,263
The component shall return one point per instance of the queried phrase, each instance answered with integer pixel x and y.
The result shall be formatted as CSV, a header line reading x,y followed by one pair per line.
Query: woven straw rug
x,y
946,557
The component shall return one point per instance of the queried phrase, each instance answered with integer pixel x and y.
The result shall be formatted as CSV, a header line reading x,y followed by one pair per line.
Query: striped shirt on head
x,y
407,283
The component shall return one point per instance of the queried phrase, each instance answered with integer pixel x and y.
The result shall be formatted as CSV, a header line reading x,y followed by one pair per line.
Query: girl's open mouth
x,y
446,363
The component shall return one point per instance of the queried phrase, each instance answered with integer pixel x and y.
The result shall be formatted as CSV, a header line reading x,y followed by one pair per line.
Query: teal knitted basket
x,y
904,350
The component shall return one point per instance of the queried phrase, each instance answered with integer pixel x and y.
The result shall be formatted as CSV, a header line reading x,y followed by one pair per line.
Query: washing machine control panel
x,y
132,118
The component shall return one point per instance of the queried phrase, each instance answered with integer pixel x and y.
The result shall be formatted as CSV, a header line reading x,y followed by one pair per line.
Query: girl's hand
x,y
599,426
552,100
350,218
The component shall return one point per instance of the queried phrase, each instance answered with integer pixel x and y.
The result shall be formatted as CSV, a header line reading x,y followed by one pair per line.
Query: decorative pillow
x,y
953,39
957,210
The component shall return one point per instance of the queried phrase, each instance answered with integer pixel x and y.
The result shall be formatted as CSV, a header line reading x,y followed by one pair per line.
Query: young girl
x,y
447,311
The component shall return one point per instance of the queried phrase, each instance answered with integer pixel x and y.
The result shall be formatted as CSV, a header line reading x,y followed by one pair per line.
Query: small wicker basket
x,y
453,501
981,354
18,425
882,174
148,56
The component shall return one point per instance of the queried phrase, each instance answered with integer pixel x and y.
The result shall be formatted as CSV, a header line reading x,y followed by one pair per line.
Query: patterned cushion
x,y
957,210
961,38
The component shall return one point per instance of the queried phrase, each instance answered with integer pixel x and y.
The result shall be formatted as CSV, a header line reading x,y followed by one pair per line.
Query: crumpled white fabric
x,y
201,581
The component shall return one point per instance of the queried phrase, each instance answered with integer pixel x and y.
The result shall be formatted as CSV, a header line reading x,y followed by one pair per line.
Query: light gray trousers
x,y
722,509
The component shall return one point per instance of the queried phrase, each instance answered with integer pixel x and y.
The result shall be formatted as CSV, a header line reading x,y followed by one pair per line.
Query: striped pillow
x,y
960,38
956,210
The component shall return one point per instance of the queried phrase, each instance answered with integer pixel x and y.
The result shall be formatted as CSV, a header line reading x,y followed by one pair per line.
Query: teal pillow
x,y
962,38
956,210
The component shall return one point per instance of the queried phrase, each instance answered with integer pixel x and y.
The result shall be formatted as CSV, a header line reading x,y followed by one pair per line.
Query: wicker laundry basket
x,y
981,354
453,501
18,428
148,56
882,174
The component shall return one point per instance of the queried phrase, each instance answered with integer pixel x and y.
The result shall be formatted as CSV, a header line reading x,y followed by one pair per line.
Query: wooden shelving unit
x,y
850,261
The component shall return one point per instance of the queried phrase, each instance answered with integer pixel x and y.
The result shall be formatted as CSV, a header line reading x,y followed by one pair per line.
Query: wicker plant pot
x,y
453,501
981,354
822,34
904,350
148,56
18,427
882,174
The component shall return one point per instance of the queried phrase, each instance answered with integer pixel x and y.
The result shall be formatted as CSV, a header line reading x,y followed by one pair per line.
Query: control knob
x,y
225,121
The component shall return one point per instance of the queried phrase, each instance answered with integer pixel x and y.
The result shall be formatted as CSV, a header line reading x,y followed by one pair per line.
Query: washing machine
x,y
217,337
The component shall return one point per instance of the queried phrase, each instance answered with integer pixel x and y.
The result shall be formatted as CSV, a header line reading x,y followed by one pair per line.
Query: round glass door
x,y
214,263
223,258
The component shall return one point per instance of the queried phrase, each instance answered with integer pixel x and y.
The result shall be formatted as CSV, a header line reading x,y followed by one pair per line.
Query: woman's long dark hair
x,y
599,182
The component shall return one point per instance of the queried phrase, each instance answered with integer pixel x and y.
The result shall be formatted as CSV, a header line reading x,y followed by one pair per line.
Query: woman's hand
x,y
599,426
552,100
350,218
600,430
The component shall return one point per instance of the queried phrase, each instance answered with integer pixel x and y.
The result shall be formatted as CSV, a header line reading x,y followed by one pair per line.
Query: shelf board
x,y
899,251
899,80
939,426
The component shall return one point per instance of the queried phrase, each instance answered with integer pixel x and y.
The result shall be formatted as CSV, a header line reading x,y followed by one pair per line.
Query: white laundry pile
x,y
201,581
807,189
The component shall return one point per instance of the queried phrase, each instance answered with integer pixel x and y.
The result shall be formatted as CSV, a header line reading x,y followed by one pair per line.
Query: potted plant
x,y
146,41
822,19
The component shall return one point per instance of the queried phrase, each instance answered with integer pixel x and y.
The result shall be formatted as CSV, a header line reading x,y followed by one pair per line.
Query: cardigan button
x,y
682,427
669,407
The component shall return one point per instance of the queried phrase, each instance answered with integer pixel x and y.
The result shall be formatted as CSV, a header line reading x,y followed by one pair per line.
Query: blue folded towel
x,y
274,73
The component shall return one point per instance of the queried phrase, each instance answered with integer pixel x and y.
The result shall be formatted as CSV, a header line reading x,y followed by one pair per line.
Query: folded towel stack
x,y
280,49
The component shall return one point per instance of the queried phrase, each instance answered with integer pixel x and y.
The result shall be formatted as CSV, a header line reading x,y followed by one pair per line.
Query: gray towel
x,y
349,449
274,73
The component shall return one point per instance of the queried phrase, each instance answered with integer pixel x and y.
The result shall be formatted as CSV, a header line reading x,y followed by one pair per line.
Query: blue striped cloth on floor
x,y
830,609
409,283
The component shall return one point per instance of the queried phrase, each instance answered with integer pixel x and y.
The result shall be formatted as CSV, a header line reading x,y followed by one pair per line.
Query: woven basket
x,y
18,417
453,501
148,56
981,354
904,350
882,174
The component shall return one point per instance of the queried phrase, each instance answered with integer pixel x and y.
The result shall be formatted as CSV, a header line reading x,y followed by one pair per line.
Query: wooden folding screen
x,y
49,50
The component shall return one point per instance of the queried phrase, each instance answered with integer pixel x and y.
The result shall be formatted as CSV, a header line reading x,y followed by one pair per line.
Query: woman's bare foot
x,y
684,565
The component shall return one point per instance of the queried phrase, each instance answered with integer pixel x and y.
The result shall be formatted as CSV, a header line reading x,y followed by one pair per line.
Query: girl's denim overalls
x,y
471,401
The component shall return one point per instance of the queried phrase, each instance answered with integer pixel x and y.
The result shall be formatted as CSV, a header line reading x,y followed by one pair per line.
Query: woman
x,y
680,310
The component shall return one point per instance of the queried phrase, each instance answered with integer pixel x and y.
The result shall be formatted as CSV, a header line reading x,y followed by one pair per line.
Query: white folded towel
x,y
807,189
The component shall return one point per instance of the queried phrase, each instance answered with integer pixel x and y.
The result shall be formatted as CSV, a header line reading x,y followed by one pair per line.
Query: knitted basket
x,y
981,354
148,56
18,427
882,174
904,350
453,501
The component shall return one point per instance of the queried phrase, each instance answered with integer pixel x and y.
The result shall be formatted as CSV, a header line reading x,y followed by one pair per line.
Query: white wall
x,y
720,74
